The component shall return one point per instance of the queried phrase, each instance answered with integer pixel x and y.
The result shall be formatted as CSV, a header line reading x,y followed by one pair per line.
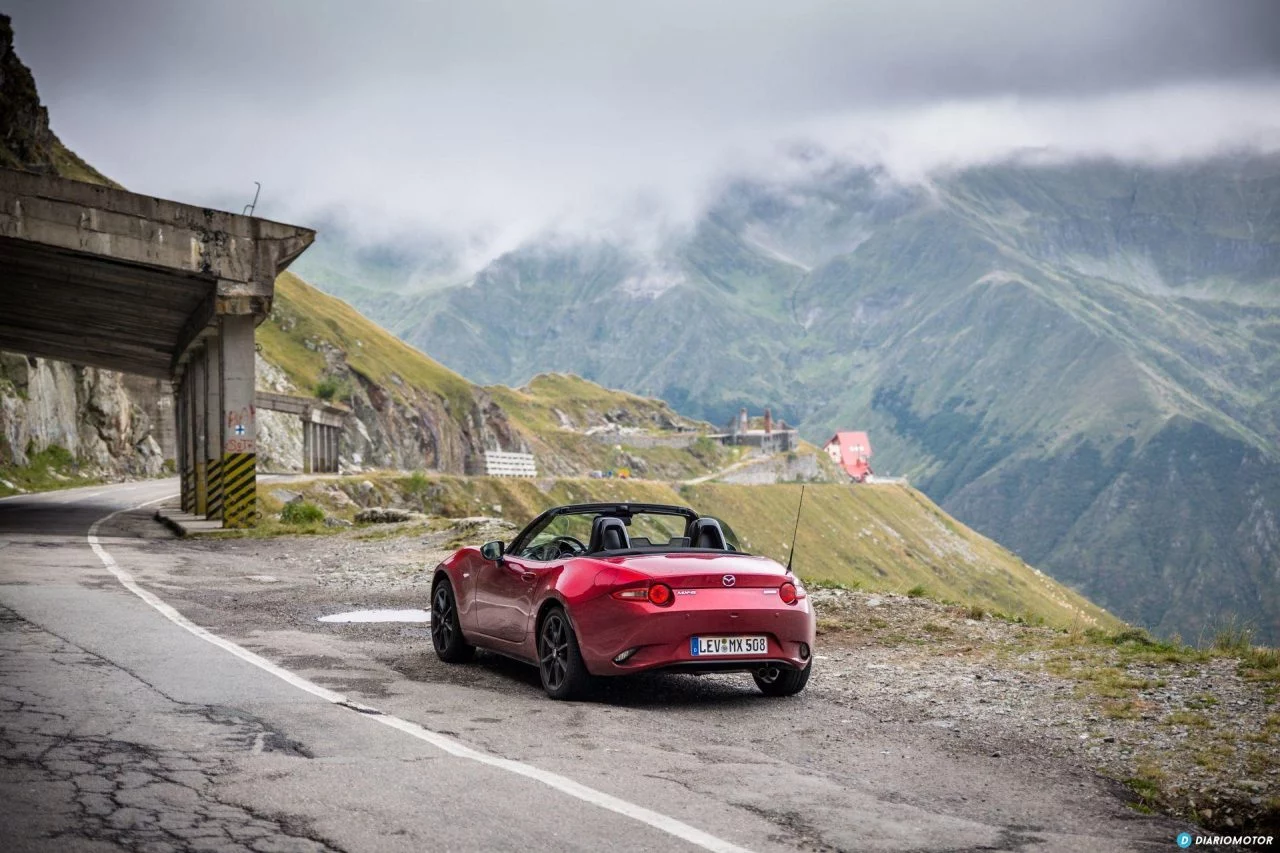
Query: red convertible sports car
x,y
612,589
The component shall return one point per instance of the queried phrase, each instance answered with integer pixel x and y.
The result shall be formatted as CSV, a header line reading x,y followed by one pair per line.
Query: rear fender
x,y
552,600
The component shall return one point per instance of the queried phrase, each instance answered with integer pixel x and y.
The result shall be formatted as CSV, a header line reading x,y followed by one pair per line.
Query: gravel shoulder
x,y
975,718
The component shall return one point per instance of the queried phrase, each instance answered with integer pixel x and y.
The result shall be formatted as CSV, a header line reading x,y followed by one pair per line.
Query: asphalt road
x,y
124,726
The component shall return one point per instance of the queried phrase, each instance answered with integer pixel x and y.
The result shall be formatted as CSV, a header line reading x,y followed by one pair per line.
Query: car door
x,y
505,596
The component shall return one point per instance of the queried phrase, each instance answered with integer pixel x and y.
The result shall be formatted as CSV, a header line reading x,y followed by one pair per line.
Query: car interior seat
x,y
608,534
707,533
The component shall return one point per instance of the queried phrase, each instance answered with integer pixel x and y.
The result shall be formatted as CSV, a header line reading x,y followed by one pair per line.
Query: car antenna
x,y
795,532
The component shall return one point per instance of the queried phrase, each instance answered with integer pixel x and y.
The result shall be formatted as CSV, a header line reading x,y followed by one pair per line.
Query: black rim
x,y
442,618
769,674
553,651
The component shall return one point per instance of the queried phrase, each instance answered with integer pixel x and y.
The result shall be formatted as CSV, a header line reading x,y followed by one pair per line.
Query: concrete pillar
x,y
166,427
239,447
328,450
189,439
308,448
183,444
335,438
212,450
199,400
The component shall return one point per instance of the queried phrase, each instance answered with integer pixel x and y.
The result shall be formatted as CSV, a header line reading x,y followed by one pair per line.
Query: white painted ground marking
x,y
564,784
377,616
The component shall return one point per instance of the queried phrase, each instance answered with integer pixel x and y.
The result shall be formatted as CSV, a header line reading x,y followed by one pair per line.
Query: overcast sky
x,y
512,116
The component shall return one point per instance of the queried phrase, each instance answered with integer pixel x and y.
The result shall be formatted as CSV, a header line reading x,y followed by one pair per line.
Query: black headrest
x,y
608,534
707,533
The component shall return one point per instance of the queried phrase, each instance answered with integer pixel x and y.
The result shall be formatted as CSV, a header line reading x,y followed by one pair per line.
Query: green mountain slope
x,y
884,538
1082,361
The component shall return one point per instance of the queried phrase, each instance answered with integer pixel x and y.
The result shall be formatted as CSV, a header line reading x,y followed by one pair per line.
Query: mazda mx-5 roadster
x,y
612,589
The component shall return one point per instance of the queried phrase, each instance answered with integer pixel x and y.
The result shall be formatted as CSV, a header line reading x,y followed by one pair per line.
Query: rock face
x,y
112,423
411,430
402,428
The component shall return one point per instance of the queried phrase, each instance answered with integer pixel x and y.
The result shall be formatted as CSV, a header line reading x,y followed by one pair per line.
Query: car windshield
x,y
570,533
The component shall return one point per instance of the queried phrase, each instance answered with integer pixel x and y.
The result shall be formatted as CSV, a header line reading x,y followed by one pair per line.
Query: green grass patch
x,y
1126,709
301,512
1147,785
52,468
825,583
1192,719
1233,636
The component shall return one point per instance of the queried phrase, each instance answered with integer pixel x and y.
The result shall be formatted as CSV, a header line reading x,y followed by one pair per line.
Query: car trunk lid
x,y
702,571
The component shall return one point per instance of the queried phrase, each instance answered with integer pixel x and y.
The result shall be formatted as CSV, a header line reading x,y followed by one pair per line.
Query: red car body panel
x,y
499,604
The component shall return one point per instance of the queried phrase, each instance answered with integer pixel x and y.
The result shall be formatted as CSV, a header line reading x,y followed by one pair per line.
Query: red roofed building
x,y
852,452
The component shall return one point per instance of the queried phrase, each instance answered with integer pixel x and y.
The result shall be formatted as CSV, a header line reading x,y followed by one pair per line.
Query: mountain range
x,y
1081,360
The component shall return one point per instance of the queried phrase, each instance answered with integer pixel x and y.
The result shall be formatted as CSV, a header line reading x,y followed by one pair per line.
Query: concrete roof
x,y
105,277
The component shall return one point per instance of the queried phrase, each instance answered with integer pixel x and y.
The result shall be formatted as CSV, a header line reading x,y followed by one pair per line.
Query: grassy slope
x,y
305,322
882,538
303,315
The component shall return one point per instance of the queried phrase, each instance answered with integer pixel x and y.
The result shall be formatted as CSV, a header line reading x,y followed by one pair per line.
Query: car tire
x,y
564,673
777,681
446,630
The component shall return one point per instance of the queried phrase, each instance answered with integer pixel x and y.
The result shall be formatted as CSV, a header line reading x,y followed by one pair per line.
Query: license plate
x,y
704,646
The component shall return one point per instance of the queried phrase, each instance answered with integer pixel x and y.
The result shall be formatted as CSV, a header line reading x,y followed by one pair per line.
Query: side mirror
x,y
493,551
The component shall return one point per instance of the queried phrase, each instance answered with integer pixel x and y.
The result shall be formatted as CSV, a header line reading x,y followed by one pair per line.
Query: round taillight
x,y
660,594
787,592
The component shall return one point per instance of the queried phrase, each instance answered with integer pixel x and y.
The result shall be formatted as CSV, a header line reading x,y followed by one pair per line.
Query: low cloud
x,y
486,123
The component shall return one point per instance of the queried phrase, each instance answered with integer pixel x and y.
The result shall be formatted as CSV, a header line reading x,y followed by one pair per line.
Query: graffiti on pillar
x,y
240,431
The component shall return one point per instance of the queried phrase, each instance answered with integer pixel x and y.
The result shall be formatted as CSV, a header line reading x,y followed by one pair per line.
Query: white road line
x,y
658,821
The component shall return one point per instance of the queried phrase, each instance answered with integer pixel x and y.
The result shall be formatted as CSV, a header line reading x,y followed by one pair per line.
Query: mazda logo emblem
x,y
728,580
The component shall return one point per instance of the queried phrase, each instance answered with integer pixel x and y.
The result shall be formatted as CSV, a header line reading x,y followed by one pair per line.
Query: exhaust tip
x,y
804,651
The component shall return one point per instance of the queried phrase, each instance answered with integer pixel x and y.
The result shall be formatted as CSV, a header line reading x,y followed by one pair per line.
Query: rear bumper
x,y
699,667
661,636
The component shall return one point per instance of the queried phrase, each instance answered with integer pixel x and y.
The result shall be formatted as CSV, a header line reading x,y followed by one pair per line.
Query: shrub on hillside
x,y
301,512
330,388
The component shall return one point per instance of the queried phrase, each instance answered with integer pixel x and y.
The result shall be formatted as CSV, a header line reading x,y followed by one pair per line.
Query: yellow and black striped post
x,y
239,490
214,473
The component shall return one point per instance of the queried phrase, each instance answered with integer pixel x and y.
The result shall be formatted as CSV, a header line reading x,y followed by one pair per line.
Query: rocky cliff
x,y
110,423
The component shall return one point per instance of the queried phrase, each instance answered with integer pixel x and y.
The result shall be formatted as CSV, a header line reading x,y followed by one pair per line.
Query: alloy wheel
x,y
554,651
442,613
